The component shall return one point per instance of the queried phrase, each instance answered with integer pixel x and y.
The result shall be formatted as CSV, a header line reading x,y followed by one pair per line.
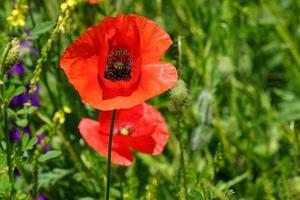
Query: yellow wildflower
x,y
17,17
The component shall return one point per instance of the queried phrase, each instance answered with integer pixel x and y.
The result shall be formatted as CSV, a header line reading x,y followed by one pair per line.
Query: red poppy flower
x,y
141,128
116,64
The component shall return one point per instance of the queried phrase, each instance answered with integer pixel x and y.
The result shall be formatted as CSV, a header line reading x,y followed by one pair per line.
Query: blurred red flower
x,y
141,128
94,1
116,64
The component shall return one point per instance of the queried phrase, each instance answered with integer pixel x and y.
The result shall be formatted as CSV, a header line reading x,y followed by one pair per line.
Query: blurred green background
x,y
240,61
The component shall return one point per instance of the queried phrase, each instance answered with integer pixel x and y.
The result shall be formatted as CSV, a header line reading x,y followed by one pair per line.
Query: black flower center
x,y
118,65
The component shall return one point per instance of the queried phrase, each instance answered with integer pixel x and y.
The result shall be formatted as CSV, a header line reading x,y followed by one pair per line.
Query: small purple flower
x,y
27,131
40,138
42,197
20,99
16,100
47,148
16,173
18,69
35,101
35,95
27,44
14,136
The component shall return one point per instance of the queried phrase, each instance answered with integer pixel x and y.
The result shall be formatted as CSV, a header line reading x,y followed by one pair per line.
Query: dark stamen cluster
x,y
118,65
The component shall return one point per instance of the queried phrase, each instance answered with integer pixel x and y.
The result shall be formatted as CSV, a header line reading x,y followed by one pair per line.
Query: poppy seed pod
x,y
13,53
179,96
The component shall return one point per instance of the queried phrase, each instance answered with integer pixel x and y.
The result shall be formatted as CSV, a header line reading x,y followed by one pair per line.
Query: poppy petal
x,y
90,131
122,156
123,116
121,32
154,40
79,63
156,78
144,144
159,134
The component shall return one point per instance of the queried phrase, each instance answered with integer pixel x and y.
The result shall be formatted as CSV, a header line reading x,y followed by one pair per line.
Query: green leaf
x,y
48,179
13,91
27,110
25,140
2,160
4,180
49,155
19,90
31,143
42,28
22,122
22,196
9,92
3,144
86,198
10,112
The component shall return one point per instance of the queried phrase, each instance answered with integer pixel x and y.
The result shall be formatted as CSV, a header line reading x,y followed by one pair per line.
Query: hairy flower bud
x,y
13,53
179,96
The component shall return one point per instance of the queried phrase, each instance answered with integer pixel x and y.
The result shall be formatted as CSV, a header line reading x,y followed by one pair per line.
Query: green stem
x,y
35,165
297,147
5,122
9,153
109,153
77,161
30,14
182,160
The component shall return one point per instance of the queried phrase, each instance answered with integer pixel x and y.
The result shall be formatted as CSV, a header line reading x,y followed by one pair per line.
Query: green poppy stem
x,y
109,152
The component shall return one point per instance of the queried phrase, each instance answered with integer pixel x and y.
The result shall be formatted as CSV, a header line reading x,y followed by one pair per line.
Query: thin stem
x,y
183,169
5,122
292,126
30,14
109,153
9,153
182,160
77,161
35,164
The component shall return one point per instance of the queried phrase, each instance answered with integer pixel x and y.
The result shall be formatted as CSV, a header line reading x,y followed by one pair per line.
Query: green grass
x,y
240,130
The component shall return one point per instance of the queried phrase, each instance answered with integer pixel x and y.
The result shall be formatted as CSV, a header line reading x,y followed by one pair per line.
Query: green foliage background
x,y
241,63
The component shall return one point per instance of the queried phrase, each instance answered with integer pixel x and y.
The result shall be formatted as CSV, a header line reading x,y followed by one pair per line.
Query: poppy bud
x,y
13,53
179,96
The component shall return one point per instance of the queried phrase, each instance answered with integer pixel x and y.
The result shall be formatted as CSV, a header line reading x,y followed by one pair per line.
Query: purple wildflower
x,y
35,101
18,69
16,173
47,148
20,99
15,101
26,44
14,136
35,95
27,131
40,138
41,197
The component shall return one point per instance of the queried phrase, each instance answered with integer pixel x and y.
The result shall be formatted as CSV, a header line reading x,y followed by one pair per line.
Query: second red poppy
x,y
141,128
